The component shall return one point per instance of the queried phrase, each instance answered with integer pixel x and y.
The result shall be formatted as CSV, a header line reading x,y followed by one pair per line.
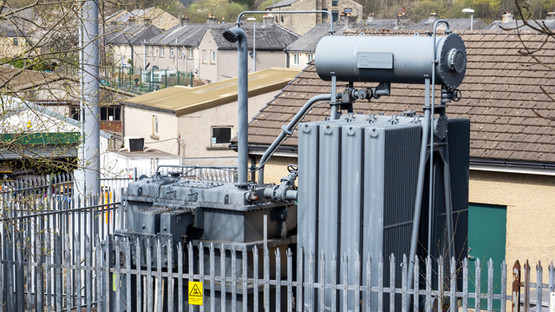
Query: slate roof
x,y
133,34
282,3
456,24
507,95
188,35
499,25
309,41
268,37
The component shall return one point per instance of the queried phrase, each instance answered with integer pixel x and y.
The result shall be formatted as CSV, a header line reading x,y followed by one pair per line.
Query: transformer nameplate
x,y
375,60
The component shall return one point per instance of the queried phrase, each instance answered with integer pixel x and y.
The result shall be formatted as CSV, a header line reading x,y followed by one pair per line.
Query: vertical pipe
x,y
90,99
236,34
333,103
420,182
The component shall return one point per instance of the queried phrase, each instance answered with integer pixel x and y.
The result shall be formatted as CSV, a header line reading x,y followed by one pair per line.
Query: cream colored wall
x,y
530,202
195,128
8,49
138,123
209,70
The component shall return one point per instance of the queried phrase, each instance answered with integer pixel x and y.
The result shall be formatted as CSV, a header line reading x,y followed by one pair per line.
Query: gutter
x,y
507,166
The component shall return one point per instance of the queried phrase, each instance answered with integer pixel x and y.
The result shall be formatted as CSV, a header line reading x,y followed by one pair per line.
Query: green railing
x,y
138,80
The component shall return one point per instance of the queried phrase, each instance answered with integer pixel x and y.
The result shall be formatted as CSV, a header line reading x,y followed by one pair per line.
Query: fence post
x,y
526,286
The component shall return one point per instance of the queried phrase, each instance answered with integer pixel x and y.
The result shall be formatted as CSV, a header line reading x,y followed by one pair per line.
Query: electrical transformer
x,y
369,185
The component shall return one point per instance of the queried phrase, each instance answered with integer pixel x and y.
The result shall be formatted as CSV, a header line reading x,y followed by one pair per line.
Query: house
x,y
456,24
36,139
17,32
152,15
218,57
198,123
508,97
508,22
60,94
301,51
302,23
127,45
176,49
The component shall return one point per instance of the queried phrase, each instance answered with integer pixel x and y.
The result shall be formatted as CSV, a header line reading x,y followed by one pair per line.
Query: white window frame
x,y
204,56
161,51
190,53
155,127
296,58
213,56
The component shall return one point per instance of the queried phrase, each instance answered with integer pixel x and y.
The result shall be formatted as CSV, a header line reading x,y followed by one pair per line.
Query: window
x,y
213,56
15,41
150,51
110,113
154,127
172,52
348,11
295,58
162,51
310,57
324,15
190,53
334,2
335,15
204,57
220,135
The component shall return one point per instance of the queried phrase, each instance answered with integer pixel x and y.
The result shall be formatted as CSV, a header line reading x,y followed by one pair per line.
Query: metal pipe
x,y
288,12
236,34
334,109
420,182
287,131
431,125
448,202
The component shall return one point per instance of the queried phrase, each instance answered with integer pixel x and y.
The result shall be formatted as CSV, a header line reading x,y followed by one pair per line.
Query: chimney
x,y
212,20
184,20
371,17
432,17
268,19
550,16
507,18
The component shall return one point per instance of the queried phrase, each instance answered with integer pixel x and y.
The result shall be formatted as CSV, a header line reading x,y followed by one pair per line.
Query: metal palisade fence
x,y
60,253
91,275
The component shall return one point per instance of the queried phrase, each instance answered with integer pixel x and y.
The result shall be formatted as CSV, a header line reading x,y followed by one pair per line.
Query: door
x,y
487,228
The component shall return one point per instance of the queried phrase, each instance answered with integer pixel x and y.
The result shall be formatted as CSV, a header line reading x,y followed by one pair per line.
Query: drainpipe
x,y
236,34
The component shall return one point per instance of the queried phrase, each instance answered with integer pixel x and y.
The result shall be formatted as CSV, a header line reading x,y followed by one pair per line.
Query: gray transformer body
x,y
175,210
357,185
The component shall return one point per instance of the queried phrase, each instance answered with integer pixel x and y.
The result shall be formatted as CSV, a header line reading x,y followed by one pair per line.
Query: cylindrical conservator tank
x,y
393,59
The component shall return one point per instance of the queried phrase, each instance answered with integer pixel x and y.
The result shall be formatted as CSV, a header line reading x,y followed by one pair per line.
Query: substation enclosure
x,y
368,184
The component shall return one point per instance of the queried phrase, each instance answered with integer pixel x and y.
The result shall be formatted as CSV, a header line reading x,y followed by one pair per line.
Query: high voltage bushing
x,y
392,59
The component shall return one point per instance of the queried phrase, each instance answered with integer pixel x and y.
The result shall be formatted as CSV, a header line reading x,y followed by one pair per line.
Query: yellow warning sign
x,y
195,293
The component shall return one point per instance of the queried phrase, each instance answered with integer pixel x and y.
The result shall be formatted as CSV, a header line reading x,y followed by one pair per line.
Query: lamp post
x,y
471,11
252,19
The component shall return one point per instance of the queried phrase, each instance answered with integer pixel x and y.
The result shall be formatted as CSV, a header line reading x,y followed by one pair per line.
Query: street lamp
x,y
252,19
471,11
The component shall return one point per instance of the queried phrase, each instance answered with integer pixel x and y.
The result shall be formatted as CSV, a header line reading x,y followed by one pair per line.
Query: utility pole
x,y
90,111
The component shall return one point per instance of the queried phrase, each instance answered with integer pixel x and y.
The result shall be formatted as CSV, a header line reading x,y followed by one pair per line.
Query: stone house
x,y
302,23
